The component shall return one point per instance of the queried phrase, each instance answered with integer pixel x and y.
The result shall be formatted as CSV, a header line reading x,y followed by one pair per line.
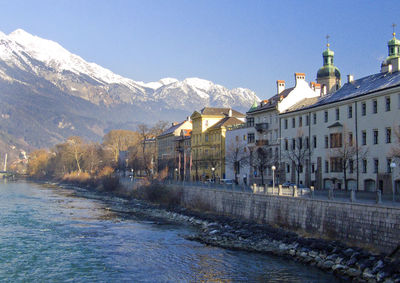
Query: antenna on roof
x,y
394,27
327,40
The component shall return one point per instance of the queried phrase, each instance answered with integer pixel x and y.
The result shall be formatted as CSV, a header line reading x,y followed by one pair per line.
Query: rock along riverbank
x,y
349,263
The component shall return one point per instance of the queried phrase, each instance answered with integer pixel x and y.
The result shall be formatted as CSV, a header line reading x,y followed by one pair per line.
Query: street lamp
x,y
213,173
273,177
176,173
392,166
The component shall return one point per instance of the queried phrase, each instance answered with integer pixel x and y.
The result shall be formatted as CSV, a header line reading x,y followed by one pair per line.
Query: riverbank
x,y
346,262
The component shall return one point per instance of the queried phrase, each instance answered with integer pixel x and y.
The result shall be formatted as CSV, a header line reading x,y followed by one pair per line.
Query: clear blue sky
x,y
233,43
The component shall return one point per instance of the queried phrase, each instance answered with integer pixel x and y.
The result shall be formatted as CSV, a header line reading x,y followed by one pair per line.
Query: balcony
x,y
262,142
261,127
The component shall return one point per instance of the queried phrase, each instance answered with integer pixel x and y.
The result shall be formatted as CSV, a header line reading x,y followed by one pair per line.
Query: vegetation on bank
x,y
97,164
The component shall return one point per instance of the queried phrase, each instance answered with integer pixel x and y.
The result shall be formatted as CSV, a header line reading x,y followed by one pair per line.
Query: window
x,y
350,112
300,143
315,114
300,121
363,109
375,137
336,164
307,142
250,138
206,137
237,138
288,168
300,168
387,103
351,166
313,168
398,101
364,138
286,123
337,112
376,165
336,140
326,116
326,167
307,120
293,123
364,166
315,141
286,144
293,144
350,139
250,121
388,135
374,106
326,142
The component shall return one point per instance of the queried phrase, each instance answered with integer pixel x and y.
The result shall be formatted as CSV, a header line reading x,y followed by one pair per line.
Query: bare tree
x,y
77,149
347,152
236,157
262,159
119,140
298,152
395,150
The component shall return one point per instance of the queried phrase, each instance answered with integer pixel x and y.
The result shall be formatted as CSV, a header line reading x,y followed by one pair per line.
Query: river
x,y
53,234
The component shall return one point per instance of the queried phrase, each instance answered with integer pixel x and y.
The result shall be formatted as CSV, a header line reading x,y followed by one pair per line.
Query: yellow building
x,y
208,141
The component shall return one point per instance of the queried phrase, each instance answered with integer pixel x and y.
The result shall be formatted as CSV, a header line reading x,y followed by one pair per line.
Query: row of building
x,y
319,134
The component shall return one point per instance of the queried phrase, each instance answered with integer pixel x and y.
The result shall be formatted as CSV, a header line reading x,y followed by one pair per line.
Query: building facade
x,y
349,134
263,126
167,154
208,141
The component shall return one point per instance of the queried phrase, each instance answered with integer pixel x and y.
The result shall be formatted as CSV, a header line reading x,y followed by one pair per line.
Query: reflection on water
x,y
54,234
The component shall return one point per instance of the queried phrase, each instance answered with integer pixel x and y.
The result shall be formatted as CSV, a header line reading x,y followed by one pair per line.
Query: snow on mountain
x,y
72,74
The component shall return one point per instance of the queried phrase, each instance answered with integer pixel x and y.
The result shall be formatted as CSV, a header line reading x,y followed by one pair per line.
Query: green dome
x,y
328,71
394,41
328,52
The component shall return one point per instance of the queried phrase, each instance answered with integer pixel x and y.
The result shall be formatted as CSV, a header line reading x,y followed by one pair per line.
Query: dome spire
x,y
394,32
328,75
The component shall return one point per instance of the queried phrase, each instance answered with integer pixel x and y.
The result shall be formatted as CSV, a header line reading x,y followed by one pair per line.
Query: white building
x,y
263,126
349,132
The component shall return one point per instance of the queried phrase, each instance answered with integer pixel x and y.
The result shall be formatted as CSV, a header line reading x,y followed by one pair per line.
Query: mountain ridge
x,y
61,94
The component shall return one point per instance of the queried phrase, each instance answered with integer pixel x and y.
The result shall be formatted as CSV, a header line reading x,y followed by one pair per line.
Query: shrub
x,y
160,194
77,177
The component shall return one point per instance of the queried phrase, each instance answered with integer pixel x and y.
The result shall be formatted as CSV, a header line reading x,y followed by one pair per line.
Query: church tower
x,y
392,62
328,75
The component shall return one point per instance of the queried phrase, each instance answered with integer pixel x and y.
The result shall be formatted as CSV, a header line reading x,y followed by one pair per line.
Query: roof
x,y
303,103
273,101
225,122
221,111
360,87
172,129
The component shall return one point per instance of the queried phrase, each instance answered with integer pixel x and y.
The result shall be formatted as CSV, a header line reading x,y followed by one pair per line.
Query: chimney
x,y
317,88
230,112
299,77
396,64
174,123
323,90
280,86
350,78
312,85
188,118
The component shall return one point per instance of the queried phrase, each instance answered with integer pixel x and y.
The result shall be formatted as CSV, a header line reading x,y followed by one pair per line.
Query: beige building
x,y
208,141
167,154
349,133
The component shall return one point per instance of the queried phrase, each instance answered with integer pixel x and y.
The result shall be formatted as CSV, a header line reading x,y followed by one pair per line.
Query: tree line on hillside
x,y
79,160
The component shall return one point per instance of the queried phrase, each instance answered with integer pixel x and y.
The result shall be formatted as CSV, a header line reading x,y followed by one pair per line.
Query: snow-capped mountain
x,y
48,94
72,74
